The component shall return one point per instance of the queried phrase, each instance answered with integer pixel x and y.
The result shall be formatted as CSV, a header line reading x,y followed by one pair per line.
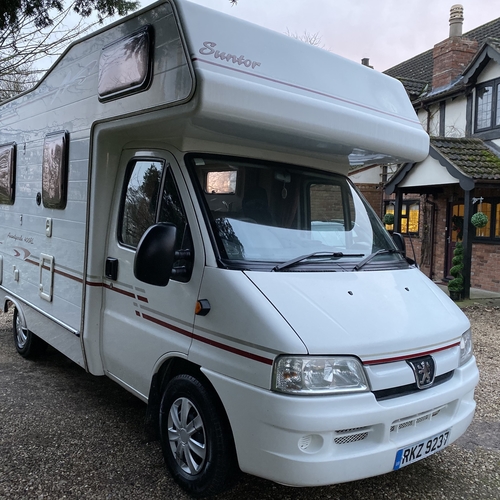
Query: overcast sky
x,y
386,31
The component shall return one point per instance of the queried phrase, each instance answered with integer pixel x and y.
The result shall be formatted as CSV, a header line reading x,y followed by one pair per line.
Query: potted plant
x,y
456,285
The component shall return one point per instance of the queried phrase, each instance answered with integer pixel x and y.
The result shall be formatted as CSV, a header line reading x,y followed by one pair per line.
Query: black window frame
x,y
408,203
494,115
494,202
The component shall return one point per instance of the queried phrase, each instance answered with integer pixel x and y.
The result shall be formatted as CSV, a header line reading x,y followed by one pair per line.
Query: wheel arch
x,y
170,368
11,301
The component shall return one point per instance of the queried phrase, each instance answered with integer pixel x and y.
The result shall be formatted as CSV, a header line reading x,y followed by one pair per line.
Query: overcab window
x,y
125,66
7,173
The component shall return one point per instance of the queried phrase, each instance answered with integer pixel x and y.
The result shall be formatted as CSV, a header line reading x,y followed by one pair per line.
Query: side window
x,y
125,66
145,202
171,210
55,170
7,173
140,201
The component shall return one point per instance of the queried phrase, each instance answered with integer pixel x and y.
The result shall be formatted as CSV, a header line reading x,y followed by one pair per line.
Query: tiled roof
x,y
420,67
471,156
495,43
414,88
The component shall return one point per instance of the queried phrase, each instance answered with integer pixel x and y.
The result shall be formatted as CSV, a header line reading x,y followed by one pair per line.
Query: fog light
x,y
311,443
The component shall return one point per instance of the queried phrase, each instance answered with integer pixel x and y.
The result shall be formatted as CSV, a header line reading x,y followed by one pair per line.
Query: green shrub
x,y
456,271
388,219
456,284
479,219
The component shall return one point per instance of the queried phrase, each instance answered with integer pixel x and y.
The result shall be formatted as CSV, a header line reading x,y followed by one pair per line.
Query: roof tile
x,y
471,156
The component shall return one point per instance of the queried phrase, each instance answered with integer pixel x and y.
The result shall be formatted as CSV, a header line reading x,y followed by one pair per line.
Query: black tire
x,y
28,345
201,460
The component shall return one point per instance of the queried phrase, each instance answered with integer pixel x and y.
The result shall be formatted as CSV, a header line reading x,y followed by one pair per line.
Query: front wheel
x,y
196,439
28,345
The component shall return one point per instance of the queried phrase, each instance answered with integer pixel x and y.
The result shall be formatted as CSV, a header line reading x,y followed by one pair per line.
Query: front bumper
x,y
312,441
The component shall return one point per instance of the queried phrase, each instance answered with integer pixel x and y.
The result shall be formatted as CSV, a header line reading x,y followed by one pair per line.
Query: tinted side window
x,y
55,170
140,201
171,210
7,173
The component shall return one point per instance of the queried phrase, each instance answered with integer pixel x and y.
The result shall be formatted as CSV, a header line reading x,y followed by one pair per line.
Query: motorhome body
x,y
180,220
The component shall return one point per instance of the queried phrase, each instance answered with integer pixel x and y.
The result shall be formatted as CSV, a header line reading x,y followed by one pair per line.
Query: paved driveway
x,y
65,434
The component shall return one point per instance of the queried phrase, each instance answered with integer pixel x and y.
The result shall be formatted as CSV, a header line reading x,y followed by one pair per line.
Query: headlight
x,y
315,375
465,347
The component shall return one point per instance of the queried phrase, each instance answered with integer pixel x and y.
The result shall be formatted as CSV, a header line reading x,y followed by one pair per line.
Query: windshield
x,y
276,216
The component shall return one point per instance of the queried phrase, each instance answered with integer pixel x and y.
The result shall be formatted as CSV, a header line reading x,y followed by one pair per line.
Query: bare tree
x,y
310,38
28,46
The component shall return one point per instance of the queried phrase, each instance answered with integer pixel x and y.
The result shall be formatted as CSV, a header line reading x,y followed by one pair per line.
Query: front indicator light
x,y
466,350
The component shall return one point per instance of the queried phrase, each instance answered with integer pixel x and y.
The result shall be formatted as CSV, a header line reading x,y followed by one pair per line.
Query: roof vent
x,y
456,20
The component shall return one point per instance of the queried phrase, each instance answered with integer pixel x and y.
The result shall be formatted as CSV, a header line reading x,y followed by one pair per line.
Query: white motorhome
x,y
175,215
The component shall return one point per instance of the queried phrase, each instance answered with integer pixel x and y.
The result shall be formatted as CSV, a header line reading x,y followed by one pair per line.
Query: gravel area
x,y
65,434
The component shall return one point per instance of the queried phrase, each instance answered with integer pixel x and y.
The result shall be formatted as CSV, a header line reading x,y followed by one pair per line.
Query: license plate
x,y
417,451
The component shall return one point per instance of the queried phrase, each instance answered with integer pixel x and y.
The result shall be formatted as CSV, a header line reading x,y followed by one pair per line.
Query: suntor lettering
x,y
209,50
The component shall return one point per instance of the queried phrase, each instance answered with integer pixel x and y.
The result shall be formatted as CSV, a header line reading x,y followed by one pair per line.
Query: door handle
x,y
111,270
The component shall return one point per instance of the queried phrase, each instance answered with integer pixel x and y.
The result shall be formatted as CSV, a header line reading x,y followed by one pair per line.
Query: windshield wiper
x,y
316,255
370,257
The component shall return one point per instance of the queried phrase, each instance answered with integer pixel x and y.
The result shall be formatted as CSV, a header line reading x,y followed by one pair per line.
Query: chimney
x,y
366,62
451,56
456,20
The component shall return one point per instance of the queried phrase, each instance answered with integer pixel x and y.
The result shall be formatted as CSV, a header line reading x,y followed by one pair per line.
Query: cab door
x,y
143,323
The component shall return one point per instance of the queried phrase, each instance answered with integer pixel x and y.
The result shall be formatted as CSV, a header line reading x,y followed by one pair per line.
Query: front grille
x,y
404,390
414,420
346,436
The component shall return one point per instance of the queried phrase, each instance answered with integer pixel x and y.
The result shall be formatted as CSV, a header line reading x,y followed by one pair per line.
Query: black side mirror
x,y
399,241
155,255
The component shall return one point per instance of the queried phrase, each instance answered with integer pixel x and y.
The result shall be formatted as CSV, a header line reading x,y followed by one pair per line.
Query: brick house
x,y
455,89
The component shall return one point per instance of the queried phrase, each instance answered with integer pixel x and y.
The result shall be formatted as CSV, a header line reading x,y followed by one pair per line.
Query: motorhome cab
x,y
175,215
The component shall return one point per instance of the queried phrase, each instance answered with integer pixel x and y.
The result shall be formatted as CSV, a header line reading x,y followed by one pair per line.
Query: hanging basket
x,y
479,219
388,219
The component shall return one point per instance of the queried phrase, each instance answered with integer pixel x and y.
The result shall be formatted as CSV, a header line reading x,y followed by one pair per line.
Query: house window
x,y
491,231
488,105
409,216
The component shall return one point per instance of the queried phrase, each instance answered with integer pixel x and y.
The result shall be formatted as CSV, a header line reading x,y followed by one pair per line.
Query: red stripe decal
x,y
93,283
56,271
167,325
119,290
142,299
412,356
233,350
69,276
213,343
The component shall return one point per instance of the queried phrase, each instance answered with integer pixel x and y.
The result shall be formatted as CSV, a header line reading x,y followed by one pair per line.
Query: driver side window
x,y
140,202
146,202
